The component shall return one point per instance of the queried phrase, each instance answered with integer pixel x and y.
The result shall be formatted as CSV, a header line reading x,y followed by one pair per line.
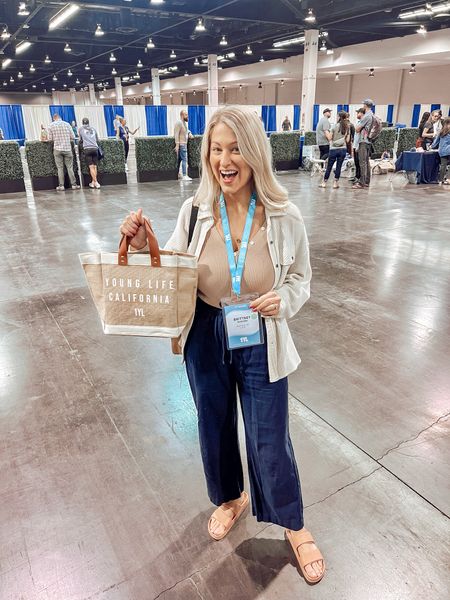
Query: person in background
x,y
438,124
286,125
2,137
442,142
323,126
338,138
181,133
89,147
75,130
364,145
420,143
428,134
124,133
44,134
359,115
117,125
61,134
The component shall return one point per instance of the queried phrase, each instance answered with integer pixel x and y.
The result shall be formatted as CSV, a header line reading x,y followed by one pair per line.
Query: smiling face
x,y
227,164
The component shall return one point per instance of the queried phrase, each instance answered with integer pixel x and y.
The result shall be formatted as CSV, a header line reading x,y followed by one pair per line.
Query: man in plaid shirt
x,y
61,134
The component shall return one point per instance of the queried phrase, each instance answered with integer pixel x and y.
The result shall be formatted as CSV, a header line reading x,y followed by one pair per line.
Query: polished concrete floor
x,y
101,490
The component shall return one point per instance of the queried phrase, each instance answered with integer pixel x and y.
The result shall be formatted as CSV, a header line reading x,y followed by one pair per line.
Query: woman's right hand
x,y
133,227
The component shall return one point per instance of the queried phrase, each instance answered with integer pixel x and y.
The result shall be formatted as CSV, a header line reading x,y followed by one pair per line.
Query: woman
x,y
89,148
420,143
237,179
124,134
339,138
442,142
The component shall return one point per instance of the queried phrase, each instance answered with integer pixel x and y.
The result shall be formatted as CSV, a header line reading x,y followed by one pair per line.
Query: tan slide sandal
x,y
228,521
304,554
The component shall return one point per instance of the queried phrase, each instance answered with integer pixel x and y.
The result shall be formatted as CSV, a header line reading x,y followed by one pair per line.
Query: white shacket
x,y
289,251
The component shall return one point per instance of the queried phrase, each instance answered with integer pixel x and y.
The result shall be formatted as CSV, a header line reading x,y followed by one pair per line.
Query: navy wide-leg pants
x,y
215,376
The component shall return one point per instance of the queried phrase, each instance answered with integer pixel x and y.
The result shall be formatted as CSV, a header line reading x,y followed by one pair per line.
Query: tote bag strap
x,y
192,222
155,256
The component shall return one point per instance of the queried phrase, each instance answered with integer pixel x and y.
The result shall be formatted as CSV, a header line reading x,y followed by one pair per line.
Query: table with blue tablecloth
x,y
425,164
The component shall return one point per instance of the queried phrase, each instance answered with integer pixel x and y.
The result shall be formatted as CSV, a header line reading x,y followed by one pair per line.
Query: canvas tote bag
x,y
142,293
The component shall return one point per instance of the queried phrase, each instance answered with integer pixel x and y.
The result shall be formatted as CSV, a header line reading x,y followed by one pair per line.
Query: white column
x,y
156,88
55,98
213,81
119,94
309,79
92,96
72,96
398,96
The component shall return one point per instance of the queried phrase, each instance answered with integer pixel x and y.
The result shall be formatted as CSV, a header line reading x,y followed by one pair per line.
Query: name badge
x,y
243,327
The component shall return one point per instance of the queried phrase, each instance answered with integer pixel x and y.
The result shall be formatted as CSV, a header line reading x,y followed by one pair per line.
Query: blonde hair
x,y
254,148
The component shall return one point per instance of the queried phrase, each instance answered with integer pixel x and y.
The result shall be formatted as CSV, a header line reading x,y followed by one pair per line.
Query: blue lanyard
x,y
236,270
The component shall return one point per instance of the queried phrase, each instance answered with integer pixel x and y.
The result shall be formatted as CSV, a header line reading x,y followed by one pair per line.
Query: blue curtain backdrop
x,y
340,107
315,116
110,112
156,120
196,115
11,122
296,124
415,115
390,113
269,117
65,111
435,107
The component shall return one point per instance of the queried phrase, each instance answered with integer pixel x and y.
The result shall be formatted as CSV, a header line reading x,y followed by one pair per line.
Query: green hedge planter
x,y
156,159
310,138
385,141
11,171
42,167
407,139
285,150
111,169
194,158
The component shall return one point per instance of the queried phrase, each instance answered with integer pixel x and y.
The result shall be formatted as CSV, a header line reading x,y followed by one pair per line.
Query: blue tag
x,y
243,327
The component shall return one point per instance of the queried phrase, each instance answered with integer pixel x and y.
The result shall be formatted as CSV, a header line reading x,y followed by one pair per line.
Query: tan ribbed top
x,y
214,279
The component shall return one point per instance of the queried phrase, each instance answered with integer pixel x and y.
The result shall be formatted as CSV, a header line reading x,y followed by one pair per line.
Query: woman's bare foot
x,y
308,554
230,510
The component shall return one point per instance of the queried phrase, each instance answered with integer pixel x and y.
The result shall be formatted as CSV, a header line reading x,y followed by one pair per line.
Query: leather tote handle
x,y
155,256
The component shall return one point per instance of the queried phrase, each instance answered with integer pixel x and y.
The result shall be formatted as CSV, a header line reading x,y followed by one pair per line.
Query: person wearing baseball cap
x,y
323,126
364,145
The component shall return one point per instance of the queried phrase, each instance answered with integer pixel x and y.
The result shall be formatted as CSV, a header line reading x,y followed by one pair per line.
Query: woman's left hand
x,y
267,304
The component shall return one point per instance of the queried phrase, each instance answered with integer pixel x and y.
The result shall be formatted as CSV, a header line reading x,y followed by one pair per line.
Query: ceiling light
x,y
422,30
5,83
186,74
125,78
6,63
323,47
99,31
282,82
26,90
47,60
69,73
200,25
22,46
87,67
78,81
137,76
248,51
330,51
19,75
53,89
112,58
196,62
114,72
150,43
174,68
223,41
324,33
412,70
427,11
310,17
156,2
139,64
5,33
172,54
194,92
259,86
371,73
65,85
91,78
261,59
64,14
32,68
11,79
336,77
54,78
23,10
67,48
289,42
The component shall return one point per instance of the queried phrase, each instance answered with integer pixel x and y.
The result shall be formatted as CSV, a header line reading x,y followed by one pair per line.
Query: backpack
x,y
374,129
